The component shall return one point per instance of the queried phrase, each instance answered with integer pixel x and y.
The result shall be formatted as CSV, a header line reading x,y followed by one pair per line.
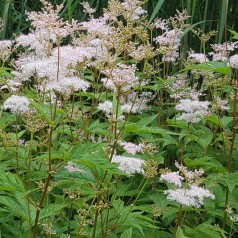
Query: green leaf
x,y
92,155
218,67
63,129
51,210
234,33
44,111
4,73
99,128
207,163
206,231
6,119
14,207
205,137
84,150
132,127
231,180
11,182
146,120
179,233
226,121
127,233
168,140
214,119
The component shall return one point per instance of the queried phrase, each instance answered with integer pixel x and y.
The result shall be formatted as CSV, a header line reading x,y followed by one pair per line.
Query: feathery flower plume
x,y
233,61
173,178
129,165
191,196
188,191
17,104
197,58
129,147
49,20
192,110
222,51
121,77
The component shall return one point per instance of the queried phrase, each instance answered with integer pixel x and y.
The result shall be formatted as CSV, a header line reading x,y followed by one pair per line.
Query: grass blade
x,y
156,10
222,20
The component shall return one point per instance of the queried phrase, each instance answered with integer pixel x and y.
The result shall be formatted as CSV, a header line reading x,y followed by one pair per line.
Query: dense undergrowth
x,y
109,128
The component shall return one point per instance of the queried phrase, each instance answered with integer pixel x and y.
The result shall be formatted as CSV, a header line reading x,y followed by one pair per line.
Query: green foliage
x,y
59,176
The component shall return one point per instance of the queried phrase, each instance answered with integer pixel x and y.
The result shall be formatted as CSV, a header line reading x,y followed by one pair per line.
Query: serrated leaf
x,y
226,121
99,128
132,127
11,182
168,140
44,111
146,120
82,151
205,162
205,137
64,129
179,233
6,119
231,180
92,155
214,119
209,231
127,233
50,210
14,207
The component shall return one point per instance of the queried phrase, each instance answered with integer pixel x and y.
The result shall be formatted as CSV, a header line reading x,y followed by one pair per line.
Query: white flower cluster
x,y
169,43
222,51
133,9
49,20
188,193
67,86
129,165
5,49
179,88
121,77
130,147
234,218
190,176
96,26
87,8
233,61
192,110
34,41
191,196
17,104
133,103
219,104
197,58
173,178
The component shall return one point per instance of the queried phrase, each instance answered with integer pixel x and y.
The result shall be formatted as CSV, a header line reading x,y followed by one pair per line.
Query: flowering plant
x,y
92,110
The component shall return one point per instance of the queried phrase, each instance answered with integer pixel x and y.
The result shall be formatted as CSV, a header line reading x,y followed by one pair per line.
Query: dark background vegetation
x,y
208,15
